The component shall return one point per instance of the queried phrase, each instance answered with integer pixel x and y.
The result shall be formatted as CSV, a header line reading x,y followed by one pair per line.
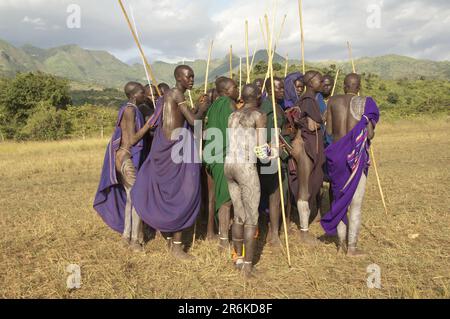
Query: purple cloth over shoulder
x,y
347,160
110,198
167,194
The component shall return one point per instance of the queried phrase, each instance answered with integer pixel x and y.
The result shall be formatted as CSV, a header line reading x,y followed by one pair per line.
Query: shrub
x,y
46,123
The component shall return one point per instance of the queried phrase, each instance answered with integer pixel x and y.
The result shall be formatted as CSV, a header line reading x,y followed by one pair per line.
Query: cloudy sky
x,y
172,30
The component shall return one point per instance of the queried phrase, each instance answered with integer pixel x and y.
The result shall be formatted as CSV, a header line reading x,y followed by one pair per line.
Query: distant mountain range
x,y
103,69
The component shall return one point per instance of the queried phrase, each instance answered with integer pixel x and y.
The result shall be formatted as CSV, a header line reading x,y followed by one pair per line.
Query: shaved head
x,y
179,69
309,76
250,93
184,75
132,88
352,83
163,87
313,81
223,83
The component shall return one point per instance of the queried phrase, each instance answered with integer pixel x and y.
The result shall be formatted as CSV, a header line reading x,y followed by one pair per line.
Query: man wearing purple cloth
x,y
167,192
123,158
351,121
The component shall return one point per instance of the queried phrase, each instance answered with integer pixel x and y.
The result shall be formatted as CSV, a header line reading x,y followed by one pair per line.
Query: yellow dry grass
x,y
47,222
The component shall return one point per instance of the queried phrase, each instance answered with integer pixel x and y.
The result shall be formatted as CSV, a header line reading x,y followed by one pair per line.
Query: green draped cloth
x,y
217,118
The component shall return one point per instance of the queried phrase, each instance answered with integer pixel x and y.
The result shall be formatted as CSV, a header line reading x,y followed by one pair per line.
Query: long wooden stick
x,y
147,65
190,99
272,52
349,46
302,34
143,61
247,61
286,66
207,65
231,62
335,81
372,154
240,77
253,57
275,121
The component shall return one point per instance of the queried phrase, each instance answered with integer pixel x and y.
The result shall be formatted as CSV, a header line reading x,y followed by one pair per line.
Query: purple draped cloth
x,y
167,193
110,198
347,160
290,94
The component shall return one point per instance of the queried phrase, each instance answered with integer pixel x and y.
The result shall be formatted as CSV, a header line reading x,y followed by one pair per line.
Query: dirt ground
x,y
47,222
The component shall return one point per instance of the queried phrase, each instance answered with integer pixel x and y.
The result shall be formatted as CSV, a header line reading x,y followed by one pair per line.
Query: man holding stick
x,y
123,158
268,173
247,128
167,192
351,121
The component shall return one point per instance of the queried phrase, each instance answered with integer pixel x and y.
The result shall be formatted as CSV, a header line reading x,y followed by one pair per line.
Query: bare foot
x,y
178,252
342,248
275,242
136,247
169,243
247,271
308,239
355,252
239,265
125,242
292,229
224,245
212,237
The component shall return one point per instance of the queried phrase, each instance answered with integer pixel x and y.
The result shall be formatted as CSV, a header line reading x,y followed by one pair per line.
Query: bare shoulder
x,y
336,98
129,112
176,94
259,117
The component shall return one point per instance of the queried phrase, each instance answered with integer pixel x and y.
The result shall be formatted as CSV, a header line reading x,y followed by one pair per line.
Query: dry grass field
x,y
47,222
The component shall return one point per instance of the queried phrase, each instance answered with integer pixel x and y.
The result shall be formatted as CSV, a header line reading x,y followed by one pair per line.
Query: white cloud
x,y
38,23
177,29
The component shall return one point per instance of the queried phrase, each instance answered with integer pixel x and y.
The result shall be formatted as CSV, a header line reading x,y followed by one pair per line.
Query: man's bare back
x,y
343,115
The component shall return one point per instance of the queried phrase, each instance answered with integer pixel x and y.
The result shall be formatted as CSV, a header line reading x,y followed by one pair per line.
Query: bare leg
x,y
211,208
137,232
274,211
238,241
305,167
342,237
251,193
224,225
355,219
126,235
134,227
250,245
288,209
238,225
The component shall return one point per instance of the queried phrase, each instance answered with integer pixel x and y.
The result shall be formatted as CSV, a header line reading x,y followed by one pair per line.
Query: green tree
x,y
393,98
26,90
47,123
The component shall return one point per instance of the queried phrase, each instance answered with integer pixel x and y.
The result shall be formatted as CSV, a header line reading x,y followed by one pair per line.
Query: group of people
x,y
322,139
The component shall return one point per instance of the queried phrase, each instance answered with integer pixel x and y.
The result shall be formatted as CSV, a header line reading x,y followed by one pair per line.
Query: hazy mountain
x,y
103,69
